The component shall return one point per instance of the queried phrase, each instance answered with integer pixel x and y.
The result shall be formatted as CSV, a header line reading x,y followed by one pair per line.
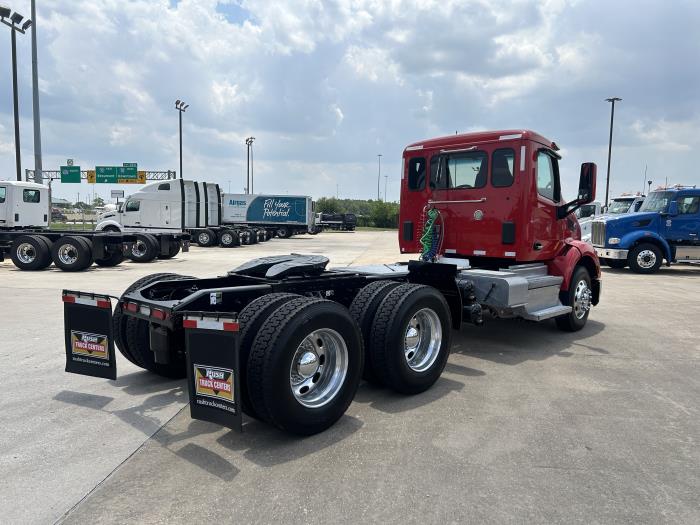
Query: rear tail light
x,y
132,307
159,314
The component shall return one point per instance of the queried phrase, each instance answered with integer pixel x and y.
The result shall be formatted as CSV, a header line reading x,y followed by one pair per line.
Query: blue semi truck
x,y
666,228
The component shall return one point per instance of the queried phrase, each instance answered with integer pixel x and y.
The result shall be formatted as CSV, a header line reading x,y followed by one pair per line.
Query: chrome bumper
x,y
610,253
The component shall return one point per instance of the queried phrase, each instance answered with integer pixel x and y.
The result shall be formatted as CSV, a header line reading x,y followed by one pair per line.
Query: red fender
x,y
576,253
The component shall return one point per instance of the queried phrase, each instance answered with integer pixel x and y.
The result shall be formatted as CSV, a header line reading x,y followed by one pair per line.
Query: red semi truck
x,y
287,341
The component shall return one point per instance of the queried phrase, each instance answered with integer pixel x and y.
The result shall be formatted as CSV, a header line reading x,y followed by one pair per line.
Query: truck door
x,y
4,207
684,228
132,213
545,237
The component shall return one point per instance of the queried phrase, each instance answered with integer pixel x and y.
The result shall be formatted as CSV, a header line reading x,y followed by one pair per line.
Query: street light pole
x,y
13,24
379,173
38,165
612,118
181,107
249,166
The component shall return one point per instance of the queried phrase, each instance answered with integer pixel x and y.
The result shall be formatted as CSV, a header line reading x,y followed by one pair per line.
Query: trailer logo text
x,y
276,208
89,345
233,202
213,382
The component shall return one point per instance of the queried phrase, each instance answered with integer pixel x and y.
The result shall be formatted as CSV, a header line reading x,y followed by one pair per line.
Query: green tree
x,y
98,201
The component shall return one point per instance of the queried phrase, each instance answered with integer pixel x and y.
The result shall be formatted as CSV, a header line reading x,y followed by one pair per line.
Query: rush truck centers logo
x,y
214,382
89,345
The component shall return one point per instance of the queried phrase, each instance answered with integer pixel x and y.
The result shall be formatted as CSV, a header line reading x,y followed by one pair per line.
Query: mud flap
x,y
87,321
213,375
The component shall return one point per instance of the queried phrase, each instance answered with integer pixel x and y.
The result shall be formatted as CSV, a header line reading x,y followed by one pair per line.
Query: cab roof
x,y
475,137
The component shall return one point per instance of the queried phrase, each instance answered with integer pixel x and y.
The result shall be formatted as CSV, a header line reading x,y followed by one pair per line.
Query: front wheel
x,y
645,258
578,297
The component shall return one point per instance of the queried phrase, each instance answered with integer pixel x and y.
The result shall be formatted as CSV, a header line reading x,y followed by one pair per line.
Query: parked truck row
x,y
209,215
26,237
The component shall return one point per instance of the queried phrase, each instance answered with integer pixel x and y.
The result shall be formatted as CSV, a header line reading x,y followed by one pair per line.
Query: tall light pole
x,y
181,107
386,181
38,165
379,173
13,24
249,172
612,100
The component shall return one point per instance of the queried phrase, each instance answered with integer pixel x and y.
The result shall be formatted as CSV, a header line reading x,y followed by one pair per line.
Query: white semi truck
x,y
209,215
26,237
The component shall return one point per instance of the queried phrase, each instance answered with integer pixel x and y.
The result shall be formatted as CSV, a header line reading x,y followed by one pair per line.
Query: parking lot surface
x,y
527,424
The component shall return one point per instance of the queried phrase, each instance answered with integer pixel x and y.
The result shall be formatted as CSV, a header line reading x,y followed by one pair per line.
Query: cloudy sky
x,y
325,86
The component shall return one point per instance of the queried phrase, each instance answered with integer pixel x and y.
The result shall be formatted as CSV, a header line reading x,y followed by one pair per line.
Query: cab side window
x,y
416,174
164,187
502,162
133,205
547,176
688,205
3,194
32,196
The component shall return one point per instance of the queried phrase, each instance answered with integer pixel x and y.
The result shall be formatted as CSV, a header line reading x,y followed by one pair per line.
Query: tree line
x,y
378,214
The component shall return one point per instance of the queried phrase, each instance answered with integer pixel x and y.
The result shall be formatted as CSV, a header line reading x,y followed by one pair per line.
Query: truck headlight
x,y
614,240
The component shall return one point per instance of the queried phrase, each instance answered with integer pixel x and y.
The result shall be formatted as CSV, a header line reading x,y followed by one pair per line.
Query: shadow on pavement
x,y
267,446
390,402
512,342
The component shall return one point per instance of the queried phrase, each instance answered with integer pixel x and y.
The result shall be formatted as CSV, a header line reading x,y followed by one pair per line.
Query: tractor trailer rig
x,y
210,216
285,340
26,237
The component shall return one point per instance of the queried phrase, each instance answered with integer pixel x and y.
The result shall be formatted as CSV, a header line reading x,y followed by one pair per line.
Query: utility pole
x,y
379,174
38,166
249,172
181,107
386,181
612,118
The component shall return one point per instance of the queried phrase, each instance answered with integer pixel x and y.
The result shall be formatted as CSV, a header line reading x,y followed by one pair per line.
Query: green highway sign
x,y
127,174
70,174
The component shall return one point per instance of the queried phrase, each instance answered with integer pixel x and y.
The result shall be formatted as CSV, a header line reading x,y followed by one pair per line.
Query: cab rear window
x,y
502,162
32,196
416,173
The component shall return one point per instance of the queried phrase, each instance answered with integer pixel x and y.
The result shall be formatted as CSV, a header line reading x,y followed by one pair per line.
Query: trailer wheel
x,y
173,250
253,236
410,338
363,309
284,232
30,253
206,238
269,234
229,239
144,249
578,296
119,320
261,235
645,258
251,320
112,259
305,365
72,253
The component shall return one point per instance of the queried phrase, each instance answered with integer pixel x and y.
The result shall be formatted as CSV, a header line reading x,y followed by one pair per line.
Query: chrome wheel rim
x,y
227,238
318,368
139,249
582,299
26,253
646,259
67,254
422,340
203,238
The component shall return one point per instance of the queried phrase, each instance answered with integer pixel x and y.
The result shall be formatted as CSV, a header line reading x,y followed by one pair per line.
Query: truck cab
x,y
23,205
498,194
666,227
625,203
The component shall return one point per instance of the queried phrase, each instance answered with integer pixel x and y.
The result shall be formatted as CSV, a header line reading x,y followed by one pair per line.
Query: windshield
x,y
657,201
619,206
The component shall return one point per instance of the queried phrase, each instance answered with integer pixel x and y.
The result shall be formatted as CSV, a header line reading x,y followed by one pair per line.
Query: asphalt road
x,y
528,424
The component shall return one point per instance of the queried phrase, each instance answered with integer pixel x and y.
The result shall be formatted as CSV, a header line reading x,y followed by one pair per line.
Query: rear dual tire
x,y
31,252
144,249
72,253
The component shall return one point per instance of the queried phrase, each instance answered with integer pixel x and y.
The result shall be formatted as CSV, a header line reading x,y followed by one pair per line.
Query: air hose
x,y
430,239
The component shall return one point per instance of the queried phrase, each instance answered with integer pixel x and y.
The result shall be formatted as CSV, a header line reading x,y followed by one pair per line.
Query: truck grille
x,y
598,233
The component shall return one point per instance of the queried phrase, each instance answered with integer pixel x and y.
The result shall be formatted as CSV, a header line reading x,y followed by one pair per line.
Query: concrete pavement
x,y
528,424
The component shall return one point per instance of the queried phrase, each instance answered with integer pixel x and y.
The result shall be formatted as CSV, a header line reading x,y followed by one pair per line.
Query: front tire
x,y
645,258
305,366
411,338
578,296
